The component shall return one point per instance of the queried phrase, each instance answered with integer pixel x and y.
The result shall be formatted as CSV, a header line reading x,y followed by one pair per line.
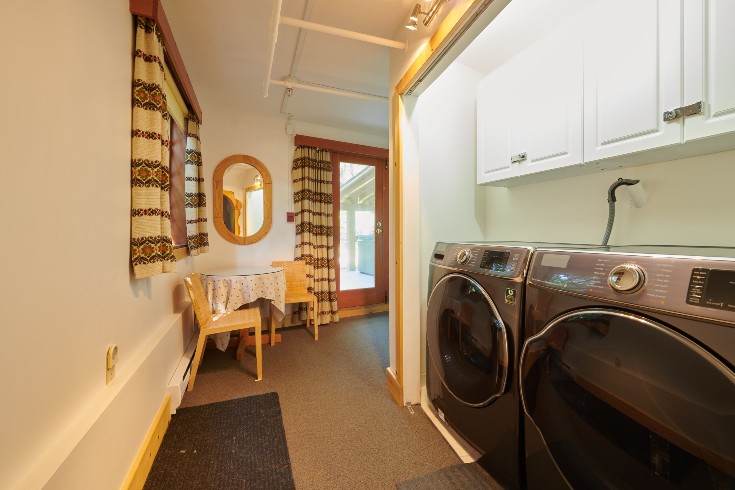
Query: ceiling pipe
x,y
312,26
275,20
290,83
297,55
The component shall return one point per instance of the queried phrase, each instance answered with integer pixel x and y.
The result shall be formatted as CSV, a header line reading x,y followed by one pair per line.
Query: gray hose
x,y
611,204
610,220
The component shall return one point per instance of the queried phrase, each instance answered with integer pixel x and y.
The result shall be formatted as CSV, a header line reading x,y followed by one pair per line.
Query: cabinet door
x,y
709,66
550,110
495,120
632,74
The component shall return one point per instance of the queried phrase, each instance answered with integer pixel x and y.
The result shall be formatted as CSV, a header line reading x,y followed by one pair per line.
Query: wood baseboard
x,y
395,389
144,461
363,310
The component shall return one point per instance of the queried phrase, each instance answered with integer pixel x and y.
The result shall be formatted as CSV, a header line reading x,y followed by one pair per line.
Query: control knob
x,y
464,255
626,278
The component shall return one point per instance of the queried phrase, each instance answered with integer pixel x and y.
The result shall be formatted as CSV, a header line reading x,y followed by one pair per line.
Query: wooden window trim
x,y
342,147
153,9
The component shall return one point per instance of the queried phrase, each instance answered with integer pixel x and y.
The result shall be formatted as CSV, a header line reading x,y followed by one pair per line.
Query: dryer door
x,y
621,401
467,340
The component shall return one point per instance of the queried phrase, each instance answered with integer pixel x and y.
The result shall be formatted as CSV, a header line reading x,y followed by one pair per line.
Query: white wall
x,y
68,292
690,202
452,208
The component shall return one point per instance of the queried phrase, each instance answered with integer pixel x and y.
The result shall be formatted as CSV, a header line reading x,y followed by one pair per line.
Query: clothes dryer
x,y
628,372
473,340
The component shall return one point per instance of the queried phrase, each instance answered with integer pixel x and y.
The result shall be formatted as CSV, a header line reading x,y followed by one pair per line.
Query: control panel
x,y
670,283
489,259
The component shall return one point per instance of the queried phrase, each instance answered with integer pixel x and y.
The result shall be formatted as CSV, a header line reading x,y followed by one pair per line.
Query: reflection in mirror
x,y
242,199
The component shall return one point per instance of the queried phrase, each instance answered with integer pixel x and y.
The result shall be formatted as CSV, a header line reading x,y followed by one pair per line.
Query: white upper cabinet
x,y
709,64
632,74
530,110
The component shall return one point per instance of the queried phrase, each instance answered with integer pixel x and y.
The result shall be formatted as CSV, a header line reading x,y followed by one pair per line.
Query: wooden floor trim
x,y
144,461
363,310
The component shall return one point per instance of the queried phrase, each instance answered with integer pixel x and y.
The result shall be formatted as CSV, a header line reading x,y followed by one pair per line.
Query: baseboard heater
x,y
177,384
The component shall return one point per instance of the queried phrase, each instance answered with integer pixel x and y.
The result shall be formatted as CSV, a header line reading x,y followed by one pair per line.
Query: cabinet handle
x,y
518,158
685,111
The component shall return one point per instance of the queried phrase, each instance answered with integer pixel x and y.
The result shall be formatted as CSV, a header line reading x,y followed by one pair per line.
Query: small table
x,y
230,288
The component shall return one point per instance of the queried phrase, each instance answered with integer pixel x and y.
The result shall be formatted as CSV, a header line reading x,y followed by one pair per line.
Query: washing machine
x,y
627,375
473,338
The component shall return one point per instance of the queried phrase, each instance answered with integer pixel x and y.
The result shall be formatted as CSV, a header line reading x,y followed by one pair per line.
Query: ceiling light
x,y
416,11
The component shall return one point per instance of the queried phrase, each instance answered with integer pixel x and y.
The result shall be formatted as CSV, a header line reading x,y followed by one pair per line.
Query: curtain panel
x,y
312,193
197,238
151,245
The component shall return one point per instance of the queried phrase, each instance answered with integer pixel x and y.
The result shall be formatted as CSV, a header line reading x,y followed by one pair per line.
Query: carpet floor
x,y
343,429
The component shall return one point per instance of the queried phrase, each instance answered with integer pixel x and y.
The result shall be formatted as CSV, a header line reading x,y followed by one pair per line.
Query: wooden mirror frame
x,y
218,180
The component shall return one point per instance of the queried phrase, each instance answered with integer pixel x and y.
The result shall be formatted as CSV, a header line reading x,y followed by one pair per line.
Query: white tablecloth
x,y
228,290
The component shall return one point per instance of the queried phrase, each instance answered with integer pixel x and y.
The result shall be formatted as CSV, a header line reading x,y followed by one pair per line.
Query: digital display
x,y
712,288
495,261
719,289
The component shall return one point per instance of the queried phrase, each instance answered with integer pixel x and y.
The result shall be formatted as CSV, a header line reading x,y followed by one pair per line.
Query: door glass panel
x,y
465,340
357,226
624,402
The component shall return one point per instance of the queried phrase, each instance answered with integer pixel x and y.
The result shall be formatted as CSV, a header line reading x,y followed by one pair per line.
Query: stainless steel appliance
x,y
627,373
473,340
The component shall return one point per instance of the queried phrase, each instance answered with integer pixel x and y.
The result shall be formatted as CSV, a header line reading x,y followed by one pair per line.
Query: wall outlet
x,y
110,361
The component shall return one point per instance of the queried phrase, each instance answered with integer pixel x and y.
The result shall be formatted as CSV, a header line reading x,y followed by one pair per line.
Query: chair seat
x,y
226,321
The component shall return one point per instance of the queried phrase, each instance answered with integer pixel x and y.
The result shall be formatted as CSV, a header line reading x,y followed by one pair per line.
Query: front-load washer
x,y
627,377
473,335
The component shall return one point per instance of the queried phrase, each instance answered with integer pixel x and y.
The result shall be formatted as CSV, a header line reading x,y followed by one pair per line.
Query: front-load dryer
x,y
628,373
473,335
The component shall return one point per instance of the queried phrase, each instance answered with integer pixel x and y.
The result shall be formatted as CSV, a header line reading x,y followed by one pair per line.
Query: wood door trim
x,y
341,146
153,9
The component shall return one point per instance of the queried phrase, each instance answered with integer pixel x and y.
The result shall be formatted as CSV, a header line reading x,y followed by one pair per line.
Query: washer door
x,y
622,401
467,340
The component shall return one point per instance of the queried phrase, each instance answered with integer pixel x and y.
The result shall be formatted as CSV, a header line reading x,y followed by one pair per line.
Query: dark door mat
x,y
235,444
460,477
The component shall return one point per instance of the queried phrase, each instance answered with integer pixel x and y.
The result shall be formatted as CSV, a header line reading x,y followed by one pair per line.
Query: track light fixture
x,y
430,14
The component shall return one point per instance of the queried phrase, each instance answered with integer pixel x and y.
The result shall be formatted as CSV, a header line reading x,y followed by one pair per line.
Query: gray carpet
x,y
230,445
343,429
457,477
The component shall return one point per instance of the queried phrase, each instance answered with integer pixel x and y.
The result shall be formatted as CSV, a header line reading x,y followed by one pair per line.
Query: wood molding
x,y
395,380
363,310
395,389
218,213
341,146
153,9
144,461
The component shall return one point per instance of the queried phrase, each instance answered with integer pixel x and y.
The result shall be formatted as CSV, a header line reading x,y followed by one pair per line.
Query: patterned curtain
x,y
151,245
197,238
312,196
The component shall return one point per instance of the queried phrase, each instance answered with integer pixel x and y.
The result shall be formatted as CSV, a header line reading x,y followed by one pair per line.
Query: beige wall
x,y
690,202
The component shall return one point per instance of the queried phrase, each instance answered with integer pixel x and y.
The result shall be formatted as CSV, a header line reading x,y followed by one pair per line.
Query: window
x,y
177,164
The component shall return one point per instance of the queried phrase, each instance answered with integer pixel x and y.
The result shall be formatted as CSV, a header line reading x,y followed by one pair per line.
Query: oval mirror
x,y
242,199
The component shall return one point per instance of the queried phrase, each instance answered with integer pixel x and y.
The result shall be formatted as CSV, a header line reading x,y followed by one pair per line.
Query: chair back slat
x,y
202,308
295,271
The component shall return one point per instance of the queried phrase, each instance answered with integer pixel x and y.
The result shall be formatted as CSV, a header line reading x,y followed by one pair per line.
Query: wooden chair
x,y
210,323
296,292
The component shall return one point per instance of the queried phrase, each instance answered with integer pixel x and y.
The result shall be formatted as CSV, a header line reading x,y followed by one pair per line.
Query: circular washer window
x,y
467,342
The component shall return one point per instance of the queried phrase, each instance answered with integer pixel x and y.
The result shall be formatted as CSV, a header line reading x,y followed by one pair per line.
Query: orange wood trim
x,y
395,380
451,21
153,9
341,146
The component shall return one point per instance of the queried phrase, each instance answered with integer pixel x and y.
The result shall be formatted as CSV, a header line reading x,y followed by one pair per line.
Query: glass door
x,y
360,188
